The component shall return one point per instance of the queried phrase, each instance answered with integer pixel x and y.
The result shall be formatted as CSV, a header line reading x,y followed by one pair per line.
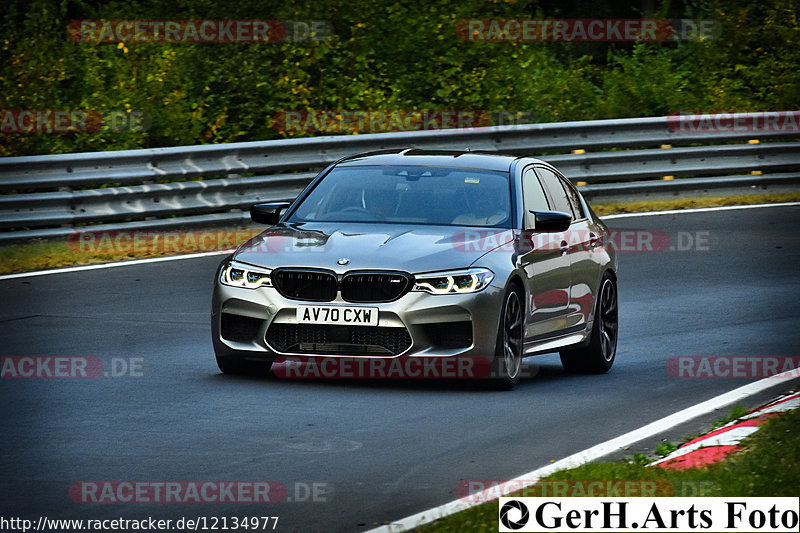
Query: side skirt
x,y
553,342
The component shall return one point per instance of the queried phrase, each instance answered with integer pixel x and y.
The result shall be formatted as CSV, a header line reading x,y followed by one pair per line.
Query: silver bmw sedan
x,y
423,255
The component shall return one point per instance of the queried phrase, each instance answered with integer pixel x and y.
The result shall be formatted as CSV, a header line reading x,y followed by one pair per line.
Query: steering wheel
x,y
363,214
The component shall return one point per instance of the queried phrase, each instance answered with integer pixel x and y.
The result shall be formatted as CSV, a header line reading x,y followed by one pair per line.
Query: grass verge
x,y
767,465
41,255
610,208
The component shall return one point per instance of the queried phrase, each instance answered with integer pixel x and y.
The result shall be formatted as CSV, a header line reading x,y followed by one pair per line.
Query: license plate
x,y
333,314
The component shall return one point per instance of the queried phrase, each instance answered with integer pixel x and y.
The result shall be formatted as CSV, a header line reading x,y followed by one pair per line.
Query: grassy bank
x,y
610,208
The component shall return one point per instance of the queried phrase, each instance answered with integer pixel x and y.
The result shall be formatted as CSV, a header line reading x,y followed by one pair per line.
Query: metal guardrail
x,y
47,196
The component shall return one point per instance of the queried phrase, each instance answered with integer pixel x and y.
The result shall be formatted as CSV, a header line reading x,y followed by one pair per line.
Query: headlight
x,y
247,277
457,282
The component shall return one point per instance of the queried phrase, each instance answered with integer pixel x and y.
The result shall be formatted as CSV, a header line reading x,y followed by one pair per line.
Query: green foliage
x,y
382,56
666,448
736,413
768,464
640,459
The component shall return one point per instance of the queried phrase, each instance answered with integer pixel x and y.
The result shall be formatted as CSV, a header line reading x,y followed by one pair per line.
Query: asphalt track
x,y
377,450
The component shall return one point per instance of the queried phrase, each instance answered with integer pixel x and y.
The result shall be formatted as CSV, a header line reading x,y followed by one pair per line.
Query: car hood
x,y
413,249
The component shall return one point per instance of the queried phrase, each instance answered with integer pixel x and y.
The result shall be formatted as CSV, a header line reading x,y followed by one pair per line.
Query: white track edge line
x,y
597,451
78,268
696,210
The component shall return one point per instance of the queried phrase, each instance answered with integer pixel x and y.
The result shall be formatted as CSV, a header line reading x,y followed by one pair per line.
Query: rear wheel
x,y
508,353
598,356
243,367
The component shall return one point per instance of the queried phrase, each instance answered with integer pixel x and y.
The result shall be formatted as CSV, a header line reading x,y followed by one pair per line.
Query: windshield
x,y
410,195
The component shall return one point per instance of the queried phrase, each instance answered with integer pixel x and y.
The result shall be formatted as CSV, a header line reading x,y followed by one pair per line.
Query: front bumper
x,y
436,325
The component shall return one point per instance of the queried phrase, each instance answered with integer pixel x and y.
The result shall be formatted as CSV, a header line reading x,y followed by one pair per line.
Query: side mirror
x,y
551,221
267,213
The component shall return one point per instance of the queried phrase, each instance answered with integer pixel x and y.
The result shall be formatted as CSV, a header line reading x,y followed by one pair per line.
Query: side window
x,y
533,195
556,190
575,202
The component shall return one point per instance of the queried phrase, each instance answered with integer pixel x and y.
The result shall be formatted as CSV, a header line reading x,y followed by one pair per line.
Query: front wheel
x,y
598,356
508,353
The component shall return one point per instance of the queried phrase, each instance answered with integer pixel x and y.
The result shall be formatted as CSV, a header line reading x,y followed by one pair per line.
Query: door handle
x,y
594,239
564,247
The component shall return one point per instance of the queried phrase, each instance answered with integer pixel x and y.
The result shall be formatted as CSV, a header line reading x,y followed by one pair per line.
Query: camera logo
x,y
520,508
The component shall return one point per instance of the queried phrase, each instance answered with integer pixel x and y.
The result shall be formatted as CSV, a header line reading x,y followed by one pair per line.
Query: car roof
x,y
432,158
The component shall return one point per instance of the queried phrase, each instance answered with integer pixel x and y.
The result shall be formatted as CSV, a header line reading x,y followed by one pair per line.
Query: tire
x,y
598,355
507,363
243,367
